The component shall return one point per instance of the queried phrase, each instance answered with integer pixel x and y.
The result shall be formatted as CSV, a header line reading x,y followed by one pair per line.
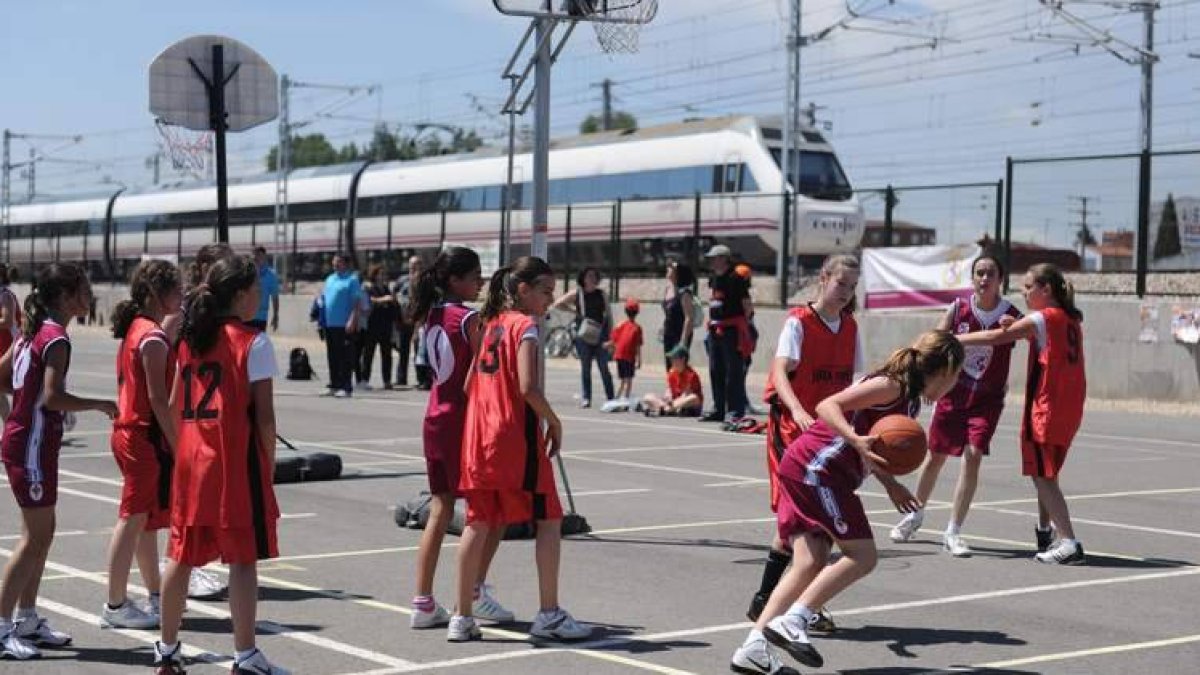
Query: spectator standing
x,y
593,324
678,314
729,342
407,328
268,283
341,295
385,312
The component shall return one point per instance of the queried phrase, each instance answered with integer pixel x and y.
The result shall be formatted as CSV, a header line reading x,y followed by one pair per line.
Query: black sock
x,y
777,564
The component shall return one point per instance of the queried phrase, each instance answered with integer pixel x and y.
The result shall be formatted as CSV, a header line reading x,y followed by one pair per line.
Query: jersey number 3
x,y
210,373
489,361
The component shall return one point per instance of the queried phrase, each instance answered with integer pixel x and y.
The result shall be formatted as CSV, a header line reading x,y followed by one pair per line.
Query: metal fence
x,y
916,215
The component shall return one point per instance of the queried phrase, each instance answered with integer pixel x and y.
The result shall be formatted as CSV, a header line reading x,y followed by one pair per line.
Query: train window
x,y
732,182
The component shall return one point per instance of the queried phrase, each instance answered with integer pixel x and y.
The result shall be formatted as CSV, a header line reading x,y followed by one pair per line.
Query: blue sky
x,y
926,91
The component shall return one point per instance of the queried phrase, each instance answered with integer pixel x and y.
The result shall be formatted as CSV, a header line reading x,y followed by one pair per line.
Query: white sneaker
x,y
955,546
128,615
168,664
757,657
791,635
341,393
363,386
154,605
35,629
420,620
907,527
463,629
559,625
1062,553
204,585
258,664
488,608
13,647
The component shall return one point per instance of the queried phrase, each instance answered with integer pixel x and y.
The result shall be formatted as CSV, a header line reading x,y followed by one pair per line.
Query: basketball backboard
x,y
599,11
179,94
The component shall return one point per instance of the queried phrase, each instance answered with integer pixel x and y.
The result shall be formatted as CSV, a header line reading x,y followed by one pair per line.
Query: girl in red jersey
x,y
10,324
818,353
1055,393
450,330
818,506
222,502
965,419
34,371
511,434
141,439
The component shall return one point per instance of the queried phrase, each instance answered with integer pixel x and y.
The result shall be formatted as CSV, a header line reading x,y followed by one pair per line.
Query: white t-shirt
x,y
1039,322
531,333
261,362
791,339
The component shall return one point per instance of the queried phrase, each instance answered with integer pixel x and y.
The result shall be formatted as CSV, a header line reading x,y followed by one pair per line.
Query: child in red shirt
x,y
626,346
684,396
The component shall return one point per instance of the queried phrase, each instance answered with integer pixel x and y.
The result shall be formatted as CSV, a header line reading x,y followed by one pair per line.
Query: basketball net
x,y
188,151
622,38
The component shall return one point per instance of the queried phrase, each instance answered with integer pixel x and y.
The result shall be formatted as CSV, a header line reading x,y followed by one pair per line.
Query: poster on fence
x,y
913,277
1185,324
489,254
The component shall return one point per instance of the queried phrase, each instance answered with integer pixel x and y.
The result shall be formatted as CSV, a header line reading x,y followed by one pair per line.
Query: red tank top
x,y
222,478
1057,383
448,350
133,392
31,429
504,442
984,376
8,337
826,359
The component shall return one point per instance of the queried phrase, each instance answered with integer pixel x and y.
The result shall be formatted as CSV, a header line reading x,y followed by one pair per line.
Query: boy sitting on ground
x,y
684,396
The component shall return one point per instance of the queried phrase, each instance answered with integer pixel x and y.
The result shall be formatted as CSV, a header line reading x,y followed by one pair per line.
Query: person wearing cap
x,y
684,396
626,347
729,341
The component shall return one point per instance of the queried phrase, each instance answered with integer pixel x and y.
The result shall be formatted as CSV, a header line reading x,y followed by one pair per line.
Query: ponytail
x,y
502,289
152,279
1061,290
910,367
434,283
208,255
497,295
52,285
212,301
122,317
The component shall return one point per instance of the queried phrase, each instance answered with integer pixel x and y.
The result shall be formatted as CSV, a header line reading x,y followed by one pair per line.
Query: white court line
x,y
651,448
66,533
1095,495
1102,523
745,482
669,469
341,447
597,493
84,455
1110,437
1022,544
1098,651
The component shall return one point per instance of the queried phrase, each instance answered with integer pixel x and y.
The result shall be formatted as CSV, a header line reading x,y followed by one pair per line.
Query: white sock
x,y
26,613
168,649
952,529
754,636
801,612
1069,542
244,654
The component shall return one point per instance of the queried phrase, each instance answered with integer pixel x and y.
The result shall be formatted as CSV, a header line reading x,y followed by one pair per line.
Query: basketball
x,y
901,442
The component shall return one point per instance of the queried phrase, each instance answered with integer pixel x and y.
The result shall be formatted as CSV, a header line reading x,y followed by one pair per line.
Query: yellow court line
x,y
1098,651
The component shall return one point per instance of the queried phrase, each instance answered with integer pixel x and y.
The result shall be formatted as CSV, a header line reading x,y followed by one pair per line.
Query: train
x,y
627,200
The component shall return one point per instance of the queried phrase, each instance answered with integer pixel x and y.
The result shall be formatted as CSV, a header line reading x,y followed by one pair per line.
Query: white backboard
x,y
600,11
179,96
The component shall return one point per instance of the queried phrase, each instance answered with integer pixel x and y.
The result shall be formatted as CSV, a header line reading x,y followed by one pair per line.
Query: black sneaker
x,y
757,604
822,622
713,416
1044,538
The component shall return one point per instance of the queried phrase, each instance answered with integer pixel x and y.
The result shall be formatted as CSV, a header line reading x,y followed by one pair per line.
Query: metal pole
x,y
283,166
507,207
567,253
5,195
606,86
696,253
617,257
785,250
889,207
1145,166
791,116
1008,202
541,141
32,174
999,212
216,104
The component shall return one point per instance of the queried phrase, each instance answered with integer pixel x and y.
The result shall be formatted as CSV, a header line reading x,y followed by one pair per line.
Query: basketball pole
x,y
541,140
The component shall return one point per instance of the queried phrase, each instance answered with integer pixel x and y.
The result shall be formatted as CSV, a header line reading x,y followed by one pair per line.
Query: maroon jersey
x,y
984,376
448,348
821,457
33,434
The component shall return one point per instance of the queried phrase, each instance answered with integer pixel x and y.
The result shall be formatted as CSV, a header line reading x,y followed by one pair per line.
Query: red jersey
x,y
627,339
133,393
222,477
32,431
1057,384
504,443
686,382
984,376
8,337
826,359
448,350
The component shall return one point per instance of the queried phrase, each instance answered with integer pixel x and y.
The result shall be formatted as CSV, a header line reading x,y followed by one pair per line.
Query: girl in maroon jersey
x,y
34,371
818,477
141,439
965,419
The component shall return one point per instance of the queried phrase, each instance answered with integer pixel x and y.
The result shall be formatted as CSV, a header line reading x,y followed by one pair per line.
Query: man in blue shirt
x,y
342,296
268,284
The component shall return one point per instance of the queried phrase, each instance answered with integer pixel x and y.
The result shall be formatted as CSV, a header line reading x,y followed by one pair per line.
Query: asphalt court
x,y
680,519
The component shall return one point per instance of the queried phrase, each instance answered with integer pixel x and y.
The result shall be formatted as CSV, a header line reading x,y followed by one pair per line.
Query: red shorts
x,y
146,468
511,507
1044,460
836,514
781,431
199,545
952,429
33,494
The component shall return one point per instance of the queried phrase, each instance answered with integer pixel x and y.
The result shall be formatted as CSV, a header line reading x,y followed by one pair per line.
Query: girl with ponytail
x,y
1056,390
818,505
511,434
450,331
222,502
31,441
141,439
193,276
10,324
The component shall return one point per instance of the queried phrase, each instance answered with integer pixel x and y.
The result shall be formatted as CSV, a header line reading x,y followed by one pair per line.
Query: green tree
x,y
310,150
621,120
1167,244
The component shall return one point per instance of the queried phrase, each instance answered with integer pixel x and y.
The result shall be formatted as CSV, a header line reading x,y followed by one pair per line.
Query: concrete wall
x,y
1118,366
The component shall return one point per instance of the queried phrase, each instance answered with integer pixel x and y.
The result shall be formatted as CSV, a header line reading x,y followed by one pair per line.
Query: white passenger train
x,y
652,189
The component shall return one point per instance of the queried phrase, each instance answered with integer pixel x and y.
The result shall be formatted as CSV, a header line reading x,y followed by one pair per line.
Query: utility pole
x,y
791,130
283,165
5,186
607,118
1145,165
541,139
32,173
1084,236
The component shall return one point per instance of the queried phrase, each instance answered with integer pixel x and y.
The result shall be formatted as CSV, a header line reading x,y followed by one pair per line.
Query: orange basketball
x,y
901,442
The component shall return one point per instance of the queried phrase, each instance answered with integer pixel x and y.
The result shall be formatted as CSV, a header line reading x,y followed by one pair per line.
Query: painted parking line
x,y
1103,523
1097,651
668,469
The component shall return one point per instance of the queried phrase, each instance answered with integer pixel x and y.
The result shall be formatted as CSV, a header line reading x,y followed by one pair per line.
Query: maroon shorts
x,y
199,545
511,507
34,488
952,429
442,437
146,468
1044,460
834,513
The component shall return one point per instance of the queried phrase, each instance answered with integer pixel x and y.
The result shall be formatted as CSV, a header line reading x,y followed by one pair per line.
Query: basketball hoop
x,y
619,33
188,152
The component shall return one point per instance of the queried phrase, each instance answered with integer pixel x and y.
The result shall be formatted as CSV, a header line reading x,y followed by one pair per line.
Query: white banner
x,y
911,277
489,254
